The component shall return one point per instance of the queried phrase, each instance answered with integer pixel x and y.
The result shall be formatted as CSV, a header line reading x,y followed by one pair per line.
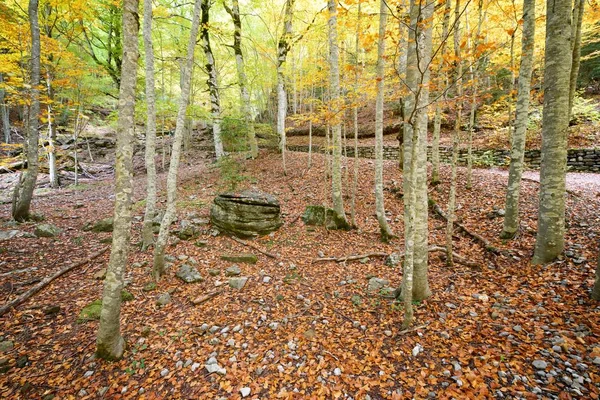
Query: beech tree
x,y
576,24
23,193
161,242
150,212
511,217
549,242
384,228
110,344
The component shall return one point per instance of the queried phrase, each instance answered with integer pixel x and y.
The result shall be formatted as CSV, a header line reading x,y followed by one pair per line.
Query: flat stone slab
x,y
247,258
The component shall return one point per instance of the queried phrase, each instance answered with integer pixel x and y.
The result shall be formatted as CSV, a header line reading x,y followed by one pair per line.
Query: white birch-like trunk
x,y
384,228
474,76
110,343
161,242
336,129
511,217
150,211
549,242
4,112
355,117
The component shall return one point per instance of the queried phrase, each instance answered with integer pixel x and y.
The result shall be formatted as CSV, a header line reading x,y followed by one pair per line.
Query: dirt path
x,y
576,181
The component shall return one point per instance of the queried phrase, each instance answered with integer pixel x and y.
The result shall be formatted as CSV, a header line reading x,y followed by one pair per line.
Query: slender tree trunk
x,y
336,173
161,242
51,135
212,82
234,11
403,48
441,77
596,288
150,212
355,116
455,137
23,193
283,47
110,344
384,228
4,113
555,122
310,111
474,75
511,217
576,46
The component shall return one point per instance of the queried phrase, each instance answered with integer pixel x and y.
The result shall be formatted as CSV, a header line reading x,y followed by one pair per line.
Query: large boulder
x,y
103,225
323,216
246,214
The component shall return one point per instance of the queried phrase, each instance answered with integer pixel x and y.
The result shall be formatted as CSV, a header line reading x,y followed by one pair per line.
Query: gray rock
x,y
82,393
245,391
214,272
189,274
246,214
539,364
163,299
215,368
322,216
164,372
596,361
6,235
393,259
46,230
376,284
234,270
6,345
238,282
104,225
247,258
337,372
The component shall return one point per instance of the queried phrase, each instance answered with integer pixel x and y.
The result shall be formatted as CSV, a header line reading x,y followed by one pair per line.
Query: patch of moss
x,y
126,296
91,312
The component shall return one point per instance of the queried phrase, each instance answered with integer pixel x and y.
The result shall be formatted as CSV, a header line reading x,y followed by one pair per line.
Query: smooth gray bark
x,y
596,289
23,193
511,218
110,343
550,237
283,47
355,117
150,212
576,45
163,235
4,114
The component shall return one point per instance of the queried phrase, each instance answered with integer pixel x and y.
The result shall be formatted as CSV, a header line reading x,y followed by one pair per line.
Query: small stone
x,y
517,328
215,368
238,282
540,364
88,374
557,349
274,325
149,287
416,350
100,275
6,346
245,391
231,343
387,333
82,393
214,272
195,366
596,361
337,372
179,364
376,284
124,390
163,299
46,230
189,274
22,361
234,270
266,279
164,372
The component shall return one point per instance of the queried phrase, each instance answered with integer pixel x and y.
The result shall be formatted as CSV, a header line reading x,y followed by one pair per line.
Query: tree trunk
x,y
4,114
441,76
596,288
511,218
336,129
282,49
576,46
455,137
23,193
212,82
161,242
234,11
110,344
384,228
474,75
355,118
555,122
150,212
51,135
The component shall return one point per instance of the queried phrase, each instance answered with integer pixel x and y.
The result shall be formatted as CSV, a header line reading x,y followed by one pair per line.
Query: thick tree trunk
x,y
212,82
234,11
384,228
576,46
511,218
161,242
4,115
23,193
110,344
283,47
150,212
596,288
336,173
441,76
555,122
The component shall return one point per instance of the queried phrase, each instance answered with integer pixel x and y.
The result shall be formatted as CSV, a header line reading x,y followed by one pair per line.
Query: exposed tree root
x,y
255,247
203,299
349,258
44,282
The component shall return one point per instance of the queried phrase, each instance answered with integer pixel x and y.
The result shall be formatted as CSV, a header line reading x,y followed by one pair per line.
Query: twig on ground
x,y
349,258
203,299
255,247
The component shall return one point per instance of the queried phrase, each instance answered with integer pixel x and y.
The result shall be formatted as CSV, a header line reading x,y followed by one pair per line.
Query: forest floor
x,y
506,330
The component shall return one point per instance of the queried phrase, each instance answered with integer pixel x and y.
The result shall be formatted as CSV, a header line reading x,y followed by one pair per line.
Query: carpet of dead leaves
x,y
331,339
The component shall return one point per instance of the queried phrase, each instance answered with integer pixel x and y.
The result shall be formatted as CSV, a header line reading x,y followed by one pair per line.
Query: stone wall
x,y
582,160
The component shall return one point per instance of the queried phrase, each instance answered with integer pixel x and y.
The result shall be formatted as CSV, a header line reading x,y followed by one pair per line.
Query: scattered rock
x,y
187,231
376,284
189,274
91,312
337,372
201,243
322,216
234,270
104,225
416,350
164,372
539,364
6,235
163,299
392,260
266,279
22,361
212,366
46,230
6,346
247,258
238,282
100,275
245,391
246,214
52,310
150,286
214,272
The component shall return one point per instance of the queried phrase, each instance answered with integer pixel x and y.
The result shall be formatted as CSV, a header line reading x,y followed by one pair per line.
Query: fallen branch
x,y
253,246
457,257
349,258
416,328
21,299
17,271
478,238
203,299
